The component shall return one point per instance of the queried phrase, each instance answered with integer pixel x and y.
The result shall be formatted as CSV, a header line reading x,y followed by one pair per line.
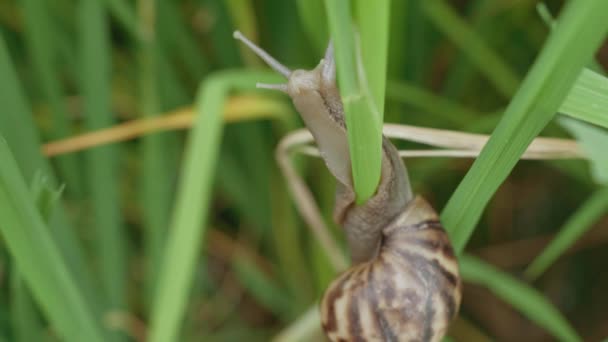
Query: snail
x,y
404,284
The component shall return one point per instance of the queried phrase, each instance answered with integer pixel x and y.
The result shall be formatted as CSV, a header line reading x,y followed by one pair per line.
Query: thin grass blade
x,y
38,258
17,125
522,297
593,140
373,18
363,118
489,63
192,204
39,35
588,99
158,168
102,162
263,288
313,17
579,223
571,44
25,316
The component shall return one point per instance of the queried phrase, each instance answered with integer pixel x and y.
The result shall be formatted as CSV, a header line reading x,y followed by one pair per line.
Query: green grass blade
x,y
191,210
593,140
438,106
16,122
522,297
489,63
569,47
102,162
580,222
243,19
38,34
174,36
263,288
313,17
17,125
588,99
286,236
547,17
46,197
38,258
363,119
125,16
420,42
192,203
373,18
397,46
157,170
226,52
27,325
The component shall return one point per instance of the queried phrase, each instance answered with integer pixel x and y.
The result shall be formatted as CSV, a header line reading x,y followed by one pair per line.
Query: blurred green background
x,y
99,242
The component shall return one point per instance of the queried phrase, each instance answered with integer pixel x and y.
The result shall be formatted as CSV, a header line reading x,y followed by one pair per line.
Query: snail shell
x,y
409,292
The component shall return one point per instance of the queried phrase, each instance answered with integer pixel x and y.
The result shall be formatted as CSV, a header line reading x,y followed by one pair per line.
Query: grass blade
x,y
576,36
17,125
124,15
156,189
25,317
441,107
38,33
192,203
102,162
489,63
588,99
593,141
522,297
177,266
263,288
313,17
16,122
243,18
363,119
581,221
38,258
174,36
373,18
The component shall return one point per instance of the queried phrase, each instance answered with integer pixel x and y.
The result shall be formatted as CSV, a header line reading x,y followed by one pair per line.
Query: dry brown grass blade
x,y
180,118
540,148
304,200
238,108
460,144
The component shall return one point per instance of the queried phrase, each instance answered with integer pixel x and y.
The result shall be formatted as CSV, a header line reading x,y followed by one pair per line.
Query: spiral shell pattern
x,y
409,292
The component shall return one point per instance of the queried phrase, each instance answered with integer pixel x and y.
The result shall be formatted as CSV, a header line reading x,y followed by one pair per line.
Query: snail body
x,y
404,284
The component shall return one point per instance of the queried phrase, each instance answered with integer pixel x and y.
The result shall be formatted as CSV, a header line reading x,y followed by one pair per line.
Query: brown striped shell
x,y
409,292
